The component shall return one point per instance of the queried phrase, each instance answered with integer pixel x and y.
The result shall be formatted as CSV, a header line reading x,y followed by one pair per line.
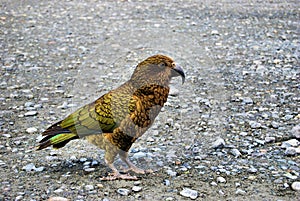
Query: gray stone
x,y
254,124
219,143
290,143
89,187
295,132
171,173
270,139
29,104
235,152
274,124
139,155
247,100
292,151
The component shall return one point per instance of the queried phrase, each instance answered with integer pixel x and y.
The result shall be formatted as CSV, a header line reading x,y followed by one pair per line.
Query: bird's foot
x,y
116,176
134,169
137,170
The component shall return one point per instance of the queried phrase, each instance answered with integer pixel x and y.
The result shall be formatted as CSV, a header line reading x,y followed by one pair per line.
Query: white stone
x,y
290,143
296,131
221,180
89,187
187,192
123,191
219,143
240,192
30,113
139,155
296,186
136,188
31,130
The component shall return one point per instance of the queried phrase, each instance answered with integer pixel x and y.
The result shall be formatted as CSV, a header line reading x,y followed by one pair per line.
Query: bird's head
x,y
159,68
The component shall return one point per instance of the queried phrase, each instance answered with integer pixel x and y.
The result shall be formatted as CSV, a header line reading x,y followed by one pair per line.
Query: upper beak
x,y
179,71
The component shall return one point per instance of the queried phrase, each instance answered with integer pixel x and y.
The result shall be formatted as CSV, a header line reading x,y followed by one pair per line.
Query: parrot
x,y
118,118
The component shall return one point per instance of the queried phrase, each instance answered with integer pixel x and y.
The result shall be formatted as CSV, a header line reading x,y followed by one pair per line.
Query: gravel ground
x,y
231,132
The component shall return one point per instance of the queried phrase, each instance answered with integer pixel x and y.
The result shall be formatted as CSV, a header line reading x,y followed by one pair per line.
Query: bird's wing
x,y
93,118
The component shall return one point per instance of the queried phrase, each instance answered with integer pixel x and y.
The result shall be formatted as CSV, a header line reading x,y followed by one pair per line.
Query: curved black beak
x,y
179,72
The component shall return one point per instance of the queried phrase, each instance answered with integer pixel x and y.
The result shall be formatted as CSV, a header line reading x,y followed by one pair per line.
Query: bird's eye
x,y
162,64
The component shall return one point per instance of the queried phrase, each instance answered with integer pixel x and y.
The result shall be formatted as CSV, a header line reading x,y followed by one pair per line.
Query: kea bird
x,y
117,119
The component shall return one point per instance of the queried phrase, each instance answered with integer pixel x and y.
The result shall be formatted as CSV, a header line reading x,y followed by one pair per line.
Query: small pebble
x,y
30,113
136,188
221,180
123,191
174,91
89,187
290,143
31,130
247,100
83,160
167,182
296,186
20,197
187,192
89,169
29,167
219,143
139,155
59,190
274,124
254,124
269,139
171,173
235,152
214,32
240,192
213,183
252,170
29,104
6,135
295,132
58,199
292,151
94,163
290,176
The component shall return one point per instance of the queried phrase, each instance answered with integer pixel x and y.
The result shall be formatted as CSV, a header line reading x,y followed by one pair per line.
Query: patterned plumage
x,y
115,120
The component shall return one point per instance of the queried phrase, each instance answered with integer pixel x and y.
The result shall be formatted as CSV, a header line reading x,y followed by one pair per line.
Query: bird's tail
x,y
56,136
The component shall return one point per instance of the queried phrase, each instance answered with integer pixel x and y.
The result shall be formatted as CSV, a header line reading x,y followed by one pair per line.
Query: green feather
x,y
61,137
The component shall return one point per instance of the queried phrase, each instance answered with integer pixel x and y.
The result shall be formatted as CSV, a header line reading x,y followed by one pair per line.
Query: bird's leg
x,y
131,167
109,159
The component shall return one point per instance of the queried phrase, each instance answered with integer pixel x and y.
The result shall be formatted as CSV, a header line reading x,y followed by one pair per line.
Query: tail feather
x,y
56,136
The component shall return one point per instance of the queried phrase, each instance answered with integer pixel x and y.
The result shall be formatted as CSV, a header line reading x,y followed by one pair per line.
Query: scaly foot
x,y
134,169
116,176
